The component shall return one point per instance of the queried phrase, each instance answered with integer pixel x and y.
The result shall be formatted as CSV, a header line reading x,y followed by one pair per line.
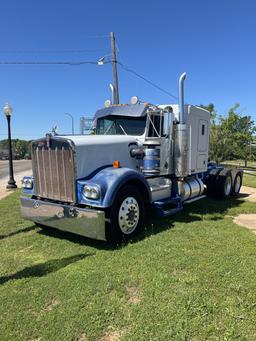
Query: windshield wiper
x,y
111,125
122,129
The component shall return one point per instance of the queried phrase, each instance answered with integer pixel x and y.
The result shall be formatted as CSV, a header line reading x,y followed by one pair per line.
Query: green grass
x,y
189,277
249,179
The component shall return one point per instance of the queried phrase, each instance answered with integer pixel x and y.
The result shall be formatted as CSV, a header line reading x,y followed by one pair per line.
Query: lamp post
x,y
72,118
8,112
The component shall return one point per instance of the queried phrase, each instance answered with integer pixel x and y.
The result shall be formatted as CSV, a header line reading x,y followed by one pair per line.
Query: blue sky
x,y
213,41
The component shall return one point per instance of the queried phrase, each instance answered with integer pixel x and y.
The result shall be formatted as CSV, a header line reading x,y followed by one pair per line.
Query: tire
x,y
237,184
126,215
224,184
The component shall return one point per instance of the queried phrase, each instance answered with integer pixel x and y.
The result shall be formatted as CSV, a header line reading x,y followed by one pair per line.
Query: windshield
x,y
120,125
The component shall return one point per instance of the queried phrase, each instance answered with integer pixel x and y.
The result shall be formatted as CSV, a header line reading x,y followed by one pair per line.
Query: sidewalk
x,y
3,182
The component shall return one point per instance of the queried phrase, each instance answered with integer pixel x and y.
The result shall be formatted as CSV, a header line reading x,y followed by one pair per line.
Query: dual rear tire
x,y
221,184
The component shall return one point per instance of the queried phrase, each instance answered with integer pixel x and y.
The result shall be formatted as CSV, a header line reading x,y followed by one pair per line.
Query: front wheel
x,y
126,215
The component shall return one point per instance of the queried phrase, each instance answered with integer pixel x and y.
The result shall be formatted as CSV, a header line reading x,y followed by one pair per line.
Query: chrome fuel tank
x,y
190,188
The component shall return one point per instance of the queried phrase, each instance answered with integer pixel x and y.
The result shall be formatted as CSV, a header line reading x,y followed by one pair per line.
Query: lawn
x,y
249,179
189,277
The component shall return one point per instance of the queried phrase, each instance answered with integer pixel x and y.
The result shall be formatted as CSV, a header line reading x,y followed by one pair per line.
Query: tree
x,y
21,148
230,136
240,130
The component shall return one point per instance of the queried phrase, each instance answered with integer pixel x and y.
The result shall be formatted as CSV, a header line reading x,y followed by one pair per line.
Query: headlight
x,y
91,191
27,183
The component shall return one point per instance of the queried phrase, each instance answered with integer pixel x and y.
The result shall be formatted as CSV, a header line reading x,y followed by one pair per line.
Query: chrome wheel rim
x,y
228,185
237,184
129,215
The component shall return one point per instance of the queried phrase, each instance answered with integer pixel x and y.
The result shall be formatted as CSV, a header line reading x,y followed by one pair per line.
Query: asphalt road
x,y
19,166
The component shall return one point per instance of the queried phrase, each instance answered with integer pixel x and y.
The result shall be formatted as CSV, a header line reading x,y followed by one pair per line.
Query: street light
x,y
72,118
8,112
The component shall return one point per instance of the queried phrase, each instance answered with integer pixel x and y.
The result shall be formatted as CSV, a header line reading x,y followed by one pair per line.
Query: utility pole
x,y
114,64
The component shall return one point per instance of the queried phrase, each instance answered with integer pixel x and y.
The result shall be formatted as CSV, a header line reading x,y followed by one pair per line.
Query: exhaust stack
x,y
181,98
112,88
181,139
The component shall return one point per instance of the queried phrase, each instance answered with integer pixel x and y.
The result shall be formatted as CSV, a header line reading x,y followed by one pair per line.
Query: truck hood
x,y
93,152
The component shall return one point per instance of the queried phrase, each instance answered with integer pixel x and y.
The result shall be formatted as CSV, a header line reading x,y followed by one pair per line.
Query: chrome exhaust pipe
x,y
112,88
181,145
181,98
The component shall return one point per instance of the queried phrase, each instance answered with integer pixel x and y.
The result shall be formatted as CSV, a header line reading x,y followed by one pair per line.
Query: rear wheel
x,y
224,184
126,215
237,184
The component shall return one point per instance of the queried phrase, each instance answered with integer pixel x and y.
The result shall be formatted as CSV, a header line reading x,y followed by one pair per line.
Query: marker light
x,y
134,100
107,103
116,164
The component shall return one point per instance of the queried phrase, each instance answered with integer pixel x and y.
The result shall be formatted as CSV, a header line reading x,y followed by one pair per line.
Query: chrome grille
x,y
53,169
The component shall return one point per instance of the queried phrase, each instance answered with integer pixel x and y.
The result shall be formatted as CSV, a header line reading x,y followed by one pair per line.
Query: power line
x,y
52,51
146,80
47,63
88,62
97,36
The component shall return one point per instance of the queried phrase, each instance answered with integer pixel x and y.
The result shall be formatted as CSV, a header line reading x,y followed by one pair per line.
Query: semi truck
x,y
140,157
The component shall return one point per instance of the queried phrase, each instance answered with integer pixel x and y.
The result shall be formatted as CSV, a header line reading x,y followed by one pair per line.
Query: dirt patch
x,y
82,337
246,220
52,304
113,335
133,293
248,193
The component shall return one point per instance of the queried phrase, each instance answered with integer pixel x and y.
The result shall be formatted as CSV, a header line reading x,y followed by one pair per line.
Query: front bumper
x,y
82,221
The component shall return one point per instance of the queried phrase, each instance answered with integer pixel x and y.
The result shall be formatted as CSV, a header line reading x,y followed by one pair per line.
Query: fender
x,y
110,180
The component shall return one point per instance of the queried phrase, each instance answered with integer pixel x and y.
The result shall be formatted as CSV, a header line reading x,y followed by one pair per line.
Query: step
x,y
166,213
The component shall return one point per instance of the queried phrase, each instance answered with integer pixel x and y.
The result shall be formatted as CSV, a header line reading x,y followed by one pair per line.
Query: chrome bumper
x,y
85,222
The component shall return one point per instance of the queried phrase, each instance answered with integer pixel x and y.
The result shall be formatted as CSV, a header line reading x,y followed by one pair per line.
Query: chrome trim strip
x,y
45,185
50,166
57,170
38,170
64,171
85,222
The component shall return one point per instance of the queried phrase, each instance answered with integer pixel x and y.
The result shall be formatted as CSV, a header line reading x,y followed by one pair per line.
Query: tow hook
x,y
73,212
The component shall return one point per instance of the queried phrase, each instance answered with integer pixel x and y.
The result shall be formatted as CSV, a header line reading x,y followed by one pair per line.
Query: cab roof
x,y
132,110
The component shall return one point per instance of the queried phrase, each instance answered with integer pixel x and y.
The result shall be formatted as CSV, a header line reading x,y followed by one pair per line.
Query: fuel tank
x,y
190,188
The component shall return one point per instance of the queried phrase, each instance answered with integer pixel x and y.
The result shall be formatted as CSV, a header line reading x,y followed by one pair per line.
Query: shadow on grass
x,y
205,209
197,211
43,269
77,239
14,233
